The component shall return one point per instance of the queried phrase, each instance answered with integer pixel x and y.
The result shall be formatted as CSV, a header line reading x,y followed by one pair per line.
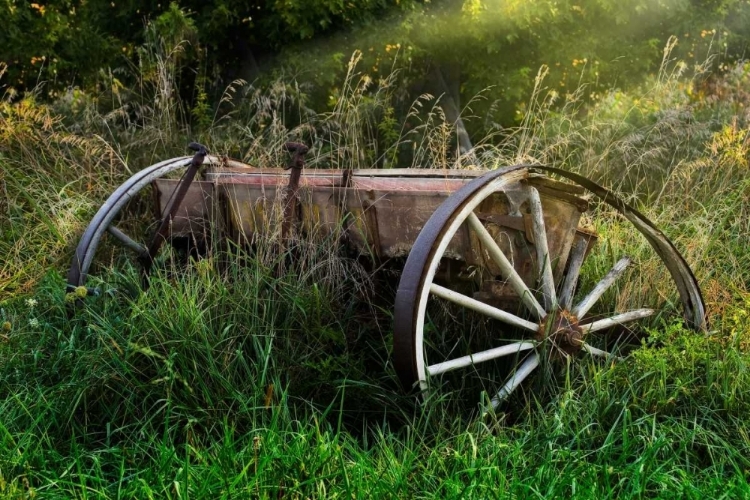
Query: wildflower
x,y
7,326
81,292
33,322
31,303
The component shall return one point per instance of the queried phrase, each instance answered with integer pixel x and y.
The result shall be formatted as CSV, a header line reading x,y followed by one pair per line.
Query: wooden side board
x,y
380,213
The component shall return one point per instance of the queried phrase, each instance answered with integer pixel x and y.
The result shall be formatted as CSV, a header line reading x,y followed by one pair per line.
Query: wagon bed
x,y
382,211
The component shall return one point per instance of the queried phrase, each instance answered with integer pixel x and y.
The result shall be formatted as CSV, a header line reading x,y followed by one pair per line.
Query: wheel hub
x,y
562,329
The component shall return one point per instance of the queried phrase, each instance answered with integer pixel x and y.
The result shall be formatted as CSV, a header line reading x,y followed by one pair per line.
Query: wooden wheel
x,y
502,342
104,222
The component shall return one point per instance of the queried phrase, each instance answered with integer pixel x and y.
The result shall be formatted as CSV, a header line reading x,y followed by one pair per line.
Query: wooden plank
x,y
414,185
544,265
313,178
609,279
507,269
194,214
423,173
541,181
400,217
277,178
235,167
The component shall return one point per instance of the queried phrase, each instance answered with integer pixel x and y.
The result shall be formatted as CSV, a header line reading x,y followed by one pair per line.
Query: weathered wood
x,y
618,319
542,250
400,217
236,168
382,212
594,351
479,357
560,191
589,300
574,270
482,308
517,222
317,178
515,380
509,273
194,214
126,240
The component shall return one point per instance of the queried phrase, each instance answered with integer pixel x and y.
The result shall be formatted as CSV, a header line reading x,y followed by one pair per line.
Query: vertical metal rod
x,y
147,257
291,200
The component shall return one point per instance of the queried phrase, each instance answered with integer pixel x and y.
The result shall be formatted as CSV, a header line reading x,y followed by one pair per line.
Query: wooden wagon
x,y
507,245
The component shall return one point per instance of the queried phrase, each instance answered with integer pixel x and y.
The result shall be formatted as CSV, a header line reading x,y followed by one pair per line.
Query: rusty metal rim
x,y
89,241
416,270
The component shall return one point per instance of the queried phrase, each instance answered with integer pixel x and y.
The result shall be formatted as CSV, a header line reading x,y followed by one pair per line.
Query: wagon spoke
x,y
574,270
589,300
542,249
481,307
126,240
598,352
507,269
479,357
519,376
619,319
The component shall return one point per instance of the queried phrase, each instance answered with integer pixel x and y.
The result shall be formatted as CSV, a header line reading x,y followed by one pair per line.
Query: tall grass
x,y
232,378
191,389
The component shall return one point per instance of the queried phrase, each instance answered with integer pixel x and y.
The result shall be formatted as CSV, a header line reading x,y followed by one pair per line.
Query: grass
x,y
228,378
164,397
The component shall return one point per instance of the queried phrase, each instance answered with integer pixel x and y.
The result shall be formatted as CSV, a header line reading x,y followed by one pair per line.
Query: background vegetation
x,y
237,380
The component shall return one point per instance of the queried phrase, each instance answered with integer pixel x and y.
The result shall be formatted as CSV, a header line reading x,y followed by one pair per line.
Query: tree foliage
x,y
50,41
494,48
65,41
455,48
